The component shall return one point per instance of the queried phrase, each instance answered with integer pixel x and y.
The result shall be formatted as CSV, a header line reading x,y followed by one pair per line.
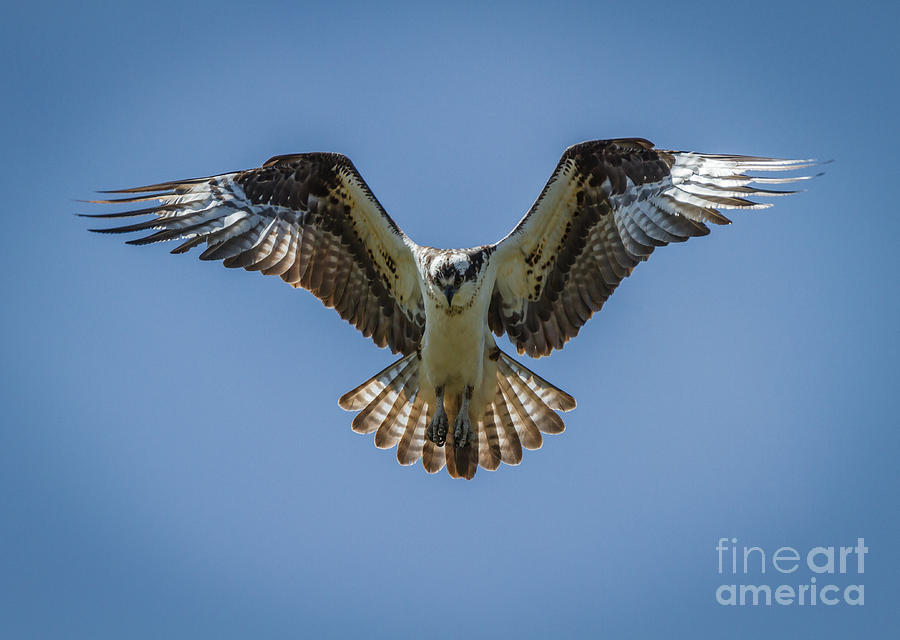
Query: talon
x,y
462,430
437,430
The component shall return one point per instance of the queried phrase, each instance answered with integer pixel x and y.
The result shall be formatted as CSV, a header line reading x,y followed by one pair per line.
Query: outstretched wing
x,y
607,206
309,218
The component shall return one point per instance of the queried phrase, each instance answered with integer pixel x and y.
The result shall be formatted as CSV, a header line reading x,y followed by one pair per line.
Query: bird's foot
x,y
462,430
437,430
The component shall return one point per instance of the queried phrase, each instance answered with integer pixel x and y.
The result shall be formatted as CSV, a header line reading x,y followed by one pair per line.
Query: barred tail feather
x,y
433,457
391,404
519,408
413,441
510,445
489,455
400,416
536,398
554,397
360,397
523,408
390,400
524,424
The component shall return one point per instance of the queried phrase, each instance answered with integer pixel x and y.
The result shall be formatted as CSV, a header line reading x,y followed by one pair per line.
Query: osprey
x,y
454,398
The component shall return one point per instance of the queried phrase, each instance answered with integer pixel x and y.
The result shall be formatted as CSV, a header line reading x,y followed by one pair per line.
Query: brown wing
x,y
607,206
309,218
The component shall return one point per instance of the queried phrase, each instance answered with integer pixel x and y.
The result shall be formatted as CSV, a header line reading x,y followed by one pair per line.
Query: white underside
x,y
455,347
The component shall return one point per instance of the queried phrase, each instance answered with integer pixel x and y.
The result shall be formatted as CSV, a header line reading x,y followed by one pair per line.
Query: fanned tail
x,y
517,407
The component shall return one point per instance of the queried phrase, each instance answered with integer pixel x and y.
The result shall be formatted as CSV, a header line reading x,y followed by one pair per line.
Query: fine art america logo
x,y
819,576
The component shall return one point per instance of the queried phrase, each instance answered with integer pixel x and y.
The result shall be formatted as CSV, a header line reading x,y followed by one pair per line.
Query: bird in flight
x,y
454,398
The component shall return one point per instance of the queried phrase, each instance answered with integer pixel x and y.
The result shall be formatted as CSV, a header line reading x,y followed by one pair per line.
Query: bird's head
x,y
453,276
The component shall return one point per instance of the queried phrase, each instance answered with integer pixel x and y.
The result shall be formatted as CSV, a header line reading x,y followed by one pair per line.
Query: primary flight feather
x,y
455,399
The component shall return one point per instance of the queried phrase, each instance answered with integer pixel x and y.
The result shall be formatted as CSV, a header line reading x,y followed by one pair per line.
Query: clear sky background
x,y
174,462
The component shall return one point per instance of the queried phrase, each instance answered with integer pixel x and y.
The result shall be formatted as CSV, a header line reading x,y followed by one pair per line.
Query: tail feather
x,y
396,422
433,457
488,441
532,404
364,394
413,440
528,431
382,406
551,395
522,407
510,445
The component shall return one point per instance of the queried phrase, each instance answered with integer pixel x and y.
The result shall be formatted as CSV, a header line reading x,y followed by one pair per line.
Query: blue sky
x,y
174,463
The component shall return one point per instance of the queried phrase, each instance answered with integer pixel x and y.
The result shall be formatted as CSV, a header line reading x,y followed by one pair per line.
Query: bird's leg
x,y
462,426
437,430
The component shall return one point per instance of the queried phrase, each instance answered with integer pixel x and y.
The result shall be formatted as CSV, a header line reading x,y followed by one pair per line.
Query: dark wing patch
x,y
308,218
607,206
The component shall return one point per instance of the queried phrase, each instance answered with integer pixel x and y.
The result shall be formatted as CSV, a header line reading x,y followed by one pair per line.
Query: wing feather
x,y
608,205
308,218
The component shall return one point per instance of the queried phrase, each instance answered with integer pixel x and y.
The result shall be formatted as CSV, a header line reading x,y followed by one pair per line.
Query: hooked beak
x,y
448,292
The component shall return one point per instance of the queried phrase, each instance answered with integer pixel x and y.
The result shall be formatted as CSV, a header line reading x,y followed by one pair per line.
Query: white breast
x,y
453,344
